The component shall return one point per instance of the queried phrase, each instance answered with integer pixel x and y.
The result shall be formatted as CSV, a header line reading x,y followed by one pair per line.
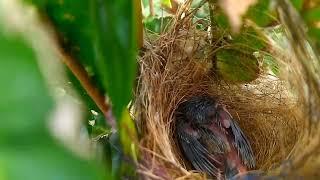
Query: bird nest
x,y
177,65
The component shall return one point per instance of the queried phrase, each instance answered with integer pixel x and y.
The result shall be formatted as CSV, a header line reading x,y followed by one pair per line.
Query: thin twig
x,y
81,74
151,8
149,174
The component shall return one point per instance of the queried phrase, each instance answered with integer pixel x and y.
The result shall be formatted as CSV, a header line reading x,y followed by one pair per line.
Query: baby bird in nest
x,y
211,140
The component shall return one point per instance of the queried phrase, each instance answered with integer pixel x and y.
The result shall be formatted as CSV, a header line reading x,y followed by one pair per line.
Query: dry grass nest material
x,y
178,65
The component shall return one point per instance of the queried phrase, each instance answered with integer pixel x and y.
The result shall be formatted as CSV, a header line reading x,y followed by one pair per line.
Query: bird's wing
x,y
212,141
197,153
243,145
240,140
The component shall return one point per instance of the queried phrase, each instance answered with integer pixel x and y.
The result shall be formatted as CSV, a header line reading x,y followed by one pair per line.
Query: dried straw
x,y
270,110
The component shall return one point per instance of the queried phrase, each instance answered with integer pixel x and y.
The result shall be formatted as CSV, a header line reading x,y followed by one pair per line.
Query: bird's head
x,y
199,109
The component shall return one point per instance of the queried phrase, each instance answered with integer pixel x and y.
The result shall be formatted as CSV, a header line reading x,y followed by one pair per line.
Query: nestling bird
x,y
211,140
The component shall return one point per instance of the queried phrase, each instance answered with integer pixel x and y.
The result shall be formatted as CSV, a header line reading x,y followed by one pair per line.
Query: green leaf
x,y
73,24
115,49
236,66
157,24
297,4
314,33
260,13
48,160
27,149
221,20
312,19
249,39
311,15
100,34
115,54
19,91
92,112
166,3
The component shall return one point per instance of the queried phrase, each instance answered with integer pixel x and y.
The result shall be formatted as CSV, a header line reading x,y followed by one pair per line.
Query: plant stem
x,y
138,20
151,7
81,74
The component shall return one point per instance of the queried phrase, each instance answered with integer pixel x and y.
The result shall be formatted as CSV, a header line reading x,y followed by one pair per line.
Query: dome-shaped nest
x,y
179,64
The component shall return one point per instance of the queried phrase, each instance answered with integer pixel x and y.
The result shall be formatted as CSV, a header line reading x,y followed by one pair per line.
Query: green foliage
x,y
27,149
312,19
260,13
237,66
160,21
115,52
97,116
157,8
115,49
272,64
297,4
115,55
220,20
166,3
315,33
157,24
312,15
249,40
73,23
18,92
101,35
236,62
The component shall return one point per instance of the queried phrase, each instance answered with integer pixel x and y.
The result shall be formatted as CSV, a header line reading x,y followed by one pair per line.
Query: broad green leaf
x,y
260,13
44,161
249,39
27,149
95,119
115,54
221,20
101,35
115,48
236,66
73,24
20,92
